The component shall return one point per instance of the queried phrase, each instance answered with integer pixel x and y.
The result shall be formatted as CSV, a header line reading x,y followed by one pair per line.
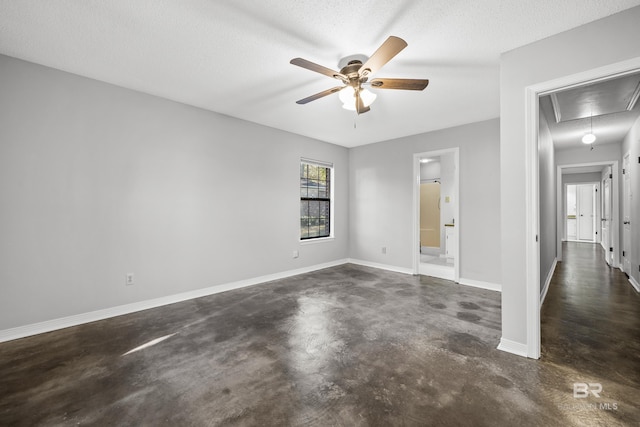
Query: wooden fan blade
x,y
320,95
390,48
406,84
318,69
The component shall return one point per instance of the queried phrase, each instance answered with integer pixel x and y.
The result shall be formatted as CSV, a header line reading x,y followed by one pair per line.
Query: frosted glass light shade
x,y
348,99
588,138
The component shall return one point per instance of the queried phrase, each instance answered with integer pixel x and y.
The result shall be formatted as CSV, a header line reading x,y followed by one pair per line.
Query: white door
x,y
586,212
626,215
606,219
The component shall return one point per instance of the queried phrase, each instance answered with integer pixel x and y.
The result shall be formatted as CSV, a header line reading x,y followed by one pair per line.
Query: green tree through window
x,y
315,200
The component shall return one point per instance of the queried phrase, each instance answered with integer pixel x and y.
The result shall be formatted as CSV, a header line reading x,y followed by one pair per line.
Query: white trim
x,y
626,200
78,319
415,242
513,347
380,266
314,162
480,284
532,221
532,93
634,98
634,283
316,240
556,107
547,282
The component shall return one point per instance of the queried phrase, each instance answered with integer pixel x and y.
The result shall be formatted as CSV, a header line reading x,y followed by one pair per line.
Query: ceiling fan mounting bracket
x,y
347,60
351,69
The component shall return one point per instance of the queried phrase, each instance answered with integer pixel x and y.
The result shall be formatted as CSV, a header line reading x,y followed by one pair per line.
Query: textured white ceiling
x,y
232,57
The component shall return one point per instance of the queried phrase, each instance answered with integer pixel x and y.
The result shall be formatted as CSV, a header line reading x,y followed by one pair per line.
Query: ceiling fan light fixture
x,y
348,98
588,138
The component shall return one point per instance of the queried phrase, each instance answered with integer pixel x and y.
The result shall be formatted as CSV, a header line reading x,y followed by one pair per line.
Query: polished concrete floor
x,y
345,346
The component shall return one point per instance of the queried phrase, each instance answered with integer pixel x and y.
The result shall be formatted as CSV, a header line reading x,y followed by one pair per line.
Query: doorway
x,y
606,209
532,183
436,211
580,206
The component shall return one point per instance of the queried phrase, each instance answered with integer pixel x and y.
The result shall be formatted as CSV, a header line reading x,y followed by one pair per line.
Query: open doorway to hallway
x,y
436,208
567,111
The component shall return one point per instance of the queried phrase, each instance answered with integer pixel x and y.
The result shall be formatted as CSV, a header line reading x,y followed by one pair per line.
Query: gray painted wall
x,y
587,47
381,198
581,178
631,144
600,153
431,170
97,181
548,232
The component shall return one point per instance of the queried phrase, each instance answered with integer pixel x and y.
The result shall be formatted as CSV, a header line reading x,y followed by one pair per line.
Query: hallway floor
x,y
344,346
591,325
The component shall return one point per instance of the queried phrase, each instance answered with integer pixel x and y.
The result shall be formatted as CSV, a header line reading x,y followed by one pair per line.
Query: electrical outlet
x,y
128,279
384,250
296,254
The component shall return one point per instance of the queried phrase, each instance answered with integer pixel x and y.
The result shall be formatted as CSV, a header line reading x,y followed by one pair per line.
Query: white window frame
x,y
332,183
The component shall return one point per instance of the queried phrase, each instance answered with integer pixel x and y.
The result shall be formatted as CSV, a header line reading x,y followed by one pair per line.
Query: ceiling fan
x,y
355,74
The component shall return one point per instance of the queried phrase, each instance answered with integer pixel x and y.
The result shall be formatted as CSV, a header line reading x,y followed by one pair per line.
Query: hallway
x,y
590,322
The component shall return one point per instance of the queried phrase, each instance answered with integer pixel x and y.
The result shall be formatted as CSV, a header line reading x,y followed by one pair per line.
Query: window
x,y
315,199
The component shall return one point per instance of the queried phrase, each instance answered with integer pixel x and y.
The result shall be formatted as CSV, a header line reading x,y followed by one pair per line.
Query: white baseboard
x,y
634,283
480,284
547,282
380,266
513,347
78,319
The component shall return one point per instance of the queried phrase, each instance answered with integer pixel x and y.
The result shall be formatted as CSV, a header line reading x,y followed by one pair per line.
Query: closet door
x,y
586,213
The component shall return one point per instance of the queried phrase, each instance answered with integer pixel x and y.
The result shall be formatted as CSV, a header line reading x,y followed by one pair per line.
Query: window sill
x,y
318,240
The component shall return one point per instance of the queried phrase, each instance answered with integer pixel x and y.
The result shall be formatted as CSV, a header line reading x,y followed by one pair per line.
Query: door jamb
x,y
625,199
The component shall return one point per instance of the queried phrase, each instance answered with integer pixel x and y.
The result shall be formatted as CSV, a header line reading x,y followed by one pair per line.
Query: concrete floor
x,y
350,346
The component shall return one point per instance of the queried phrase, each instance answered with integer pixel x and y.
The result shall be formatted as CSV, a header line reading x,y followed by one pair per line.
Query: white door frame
x,y
596,211
626,206
532,194
607,202
615,224
415,244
